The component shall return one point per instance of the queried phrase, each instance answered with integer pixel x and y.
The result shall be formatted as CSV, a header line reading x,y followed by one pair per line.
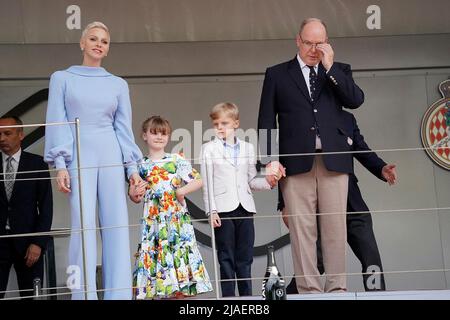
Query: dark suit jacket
x,y
285,98
30,208
370,160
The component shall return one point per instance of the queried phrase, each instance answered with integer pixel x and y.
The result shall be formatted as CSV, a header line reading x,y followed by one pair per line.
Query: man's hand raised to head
x,y
327,55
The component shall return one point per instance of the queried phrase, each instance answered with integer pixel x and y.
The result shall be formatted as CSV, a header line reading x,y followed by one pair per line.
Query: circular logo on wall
x,y
435,128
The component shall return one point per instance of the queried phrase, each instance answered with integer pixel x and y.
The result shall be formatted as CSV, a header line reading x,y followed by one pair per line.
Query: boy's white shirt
x,y
225,185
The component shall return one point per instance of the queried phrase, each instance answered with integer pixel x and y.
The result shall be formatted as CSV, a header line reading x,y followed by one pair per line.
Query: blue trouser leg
x,y
89,183
225,254
113,216
106,184
245,238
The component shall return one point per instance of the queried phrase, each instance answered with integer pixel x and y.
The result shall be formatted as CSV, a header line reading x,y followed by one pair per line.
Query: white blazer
x,y
225,185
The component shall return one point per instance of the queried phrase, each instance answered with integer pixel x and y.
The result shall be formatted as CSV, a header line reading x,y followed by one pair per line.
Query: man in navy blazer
x,y
360,235
26,206
305,96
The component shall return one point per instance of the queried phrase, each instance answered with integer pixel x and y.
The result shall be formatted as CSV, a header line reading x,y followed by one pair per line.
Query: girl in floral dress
x,y
168,261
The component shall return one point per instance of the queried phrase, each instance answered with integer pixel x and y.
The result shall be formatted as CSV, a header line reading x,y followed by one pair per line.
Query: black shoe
x,y
292,286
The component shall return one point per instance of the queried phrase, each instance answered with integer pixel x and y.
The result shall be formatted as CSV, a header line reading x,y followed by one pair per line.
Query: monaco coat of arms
x,y
435,128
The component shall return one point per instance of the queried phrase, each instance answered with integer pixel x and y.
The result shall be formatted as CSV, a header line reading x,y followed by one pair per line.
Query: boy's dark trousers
x,y
234,240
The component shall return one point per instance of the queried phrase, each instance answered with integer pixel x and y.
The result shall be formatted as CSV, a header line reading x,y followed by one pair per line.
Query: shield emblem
x,y
435,128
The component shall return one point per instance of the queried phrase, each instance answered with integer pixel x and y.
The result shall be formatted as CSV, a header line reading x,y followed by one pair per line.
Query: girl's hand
x,y
180,196
63,181
136,198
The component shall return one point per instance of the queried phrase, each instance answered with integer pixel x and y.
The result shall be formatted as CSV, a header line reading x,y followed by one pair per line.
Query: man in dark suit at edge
x,y
360,235
26,206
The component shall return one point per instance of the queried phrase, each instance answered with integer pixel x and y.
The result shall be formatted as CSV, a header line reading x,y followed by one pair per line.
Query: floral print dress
x,y
168,261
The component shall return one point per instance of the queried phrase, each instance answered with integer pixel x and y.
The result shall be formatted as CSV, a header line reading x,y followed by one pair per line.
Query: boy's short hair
x,y
157,124
228,108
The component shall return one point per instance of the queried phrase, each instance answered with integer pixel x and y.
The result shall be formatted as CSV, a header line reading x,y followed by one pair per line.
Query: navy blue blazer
x,y
285,99
370,160
30,208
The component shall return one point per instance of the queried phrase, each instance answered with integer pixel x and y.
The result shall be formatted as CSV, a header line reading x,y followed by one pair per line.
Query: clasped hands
x,y
136,190
274,172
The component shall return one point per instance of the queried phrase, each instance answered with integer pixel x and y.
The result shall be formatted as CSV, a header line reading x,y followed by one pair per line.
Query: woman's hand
x,y
136,192
63,181
135,179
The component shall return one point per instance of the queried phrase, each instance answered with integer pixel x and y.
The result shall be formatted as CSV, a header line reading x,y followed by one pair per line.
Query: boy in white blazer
x,y
229,176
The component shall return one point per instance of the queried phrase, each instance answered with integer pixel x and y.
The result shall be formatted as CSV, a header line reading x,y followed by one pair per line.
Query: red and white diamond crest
x,y
435,128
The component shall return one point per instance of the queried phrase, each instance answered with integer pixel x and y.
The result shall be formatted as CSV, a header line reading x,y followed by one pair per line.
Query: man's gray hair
x,y
308,20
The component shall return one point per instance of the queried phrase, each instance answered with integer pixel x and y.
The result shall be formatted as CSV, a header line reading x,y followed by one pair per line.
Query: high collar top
x,y
89,71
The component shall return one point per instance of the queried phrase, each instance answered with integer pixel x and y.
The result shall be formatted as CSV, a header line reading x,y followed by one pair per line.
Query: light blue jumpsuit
x,y
101,101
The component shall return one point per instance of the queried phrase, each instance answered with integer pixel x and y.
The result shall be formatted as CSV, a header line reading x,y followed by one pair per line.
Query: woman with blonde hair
x,y
101,101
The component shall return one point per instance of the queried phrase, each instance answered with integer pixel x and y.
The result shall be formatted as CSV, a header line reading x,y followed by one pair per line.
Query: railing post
x,y
83,247
213,237
36,289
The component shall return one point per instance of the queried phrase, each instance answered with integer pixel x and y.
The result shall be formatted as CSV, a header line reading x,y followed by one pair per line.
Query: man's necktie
x,y
313,89
9,177
312,82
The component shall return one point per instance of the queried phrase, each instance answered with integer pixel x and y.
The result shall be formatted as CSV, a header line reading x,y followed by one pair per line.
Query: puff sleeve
x,y
59,141
131,154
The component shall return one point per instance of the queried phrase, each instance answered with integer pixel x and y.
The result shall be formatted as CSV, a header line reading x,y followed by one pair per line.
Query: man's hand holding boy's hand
x,y
274,172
